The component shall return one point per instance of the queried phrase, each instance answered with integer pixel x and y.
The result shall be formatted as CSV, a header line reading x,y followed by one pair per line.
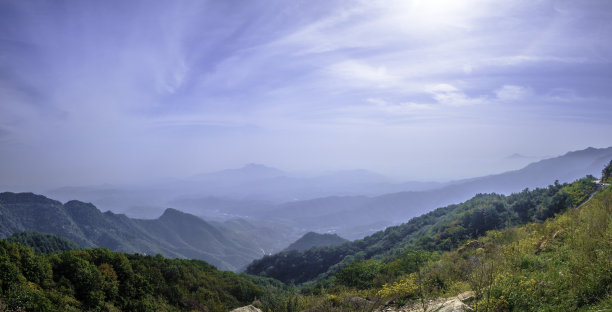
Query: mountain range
x,y
503,238
252,228
175,234
444,228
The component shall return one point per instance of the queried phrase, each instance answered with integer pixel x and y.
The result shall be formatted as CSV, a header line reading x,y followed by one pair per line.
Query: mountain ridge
x,y
174,234
314,240
343,213
441,229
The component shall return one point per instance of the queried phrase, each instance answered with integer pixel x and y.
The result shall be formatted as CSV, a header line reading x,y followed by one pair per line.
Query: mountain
x,y
565,168
441,229
43,243
312,240
518,156
260,183
249,172
558,264
253,187
354,217
174,234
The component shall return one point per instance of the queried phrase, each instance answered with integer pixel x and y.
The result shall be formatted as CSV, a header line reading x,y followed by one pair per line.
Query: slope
x,y
43,243
312,240
561,264
174,234
101,280
442,229
356,216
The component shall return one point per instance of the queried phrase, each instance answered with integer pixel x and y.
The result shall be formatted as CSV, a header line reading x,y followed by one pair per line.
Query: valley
x,y
447,251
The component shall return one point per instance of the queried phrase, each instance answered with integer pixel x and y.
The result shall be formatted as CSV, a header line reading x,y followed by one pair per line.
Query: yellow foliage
x,y
405,288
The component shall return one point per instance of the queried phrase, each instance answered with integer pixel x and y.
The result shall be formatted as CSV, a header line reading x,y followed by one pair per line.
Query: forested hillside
x,y
312,240
101,280
174,234
354,217
43,243
440,230
559,264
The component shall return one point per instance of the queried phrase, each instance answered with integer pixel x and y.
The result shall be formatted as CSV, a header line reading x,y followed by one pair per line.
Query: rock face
x,y
248,308
452,304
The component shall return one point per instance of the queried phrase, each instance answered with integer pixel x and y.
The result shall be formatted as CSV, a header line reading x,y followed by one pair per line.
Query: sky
x,y
95,92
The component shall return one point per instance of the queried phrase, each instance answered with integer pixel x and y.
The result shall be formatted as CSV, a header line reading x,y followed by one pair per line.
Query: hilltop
x,y
313,240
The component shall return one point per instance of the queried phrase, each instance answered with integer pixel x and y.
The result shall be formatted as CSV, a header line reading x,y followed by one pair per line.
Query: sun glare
x,y
434,14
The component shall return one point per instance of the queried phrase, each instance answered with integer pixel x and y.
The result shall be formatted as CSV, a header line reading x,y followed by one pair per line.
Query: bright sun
x,y
434,14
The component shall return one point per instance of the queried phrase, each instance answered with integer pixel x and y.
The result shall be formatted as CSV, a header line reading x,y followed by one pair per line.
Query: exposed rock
x,y
452,304
471,245
358,303
248,308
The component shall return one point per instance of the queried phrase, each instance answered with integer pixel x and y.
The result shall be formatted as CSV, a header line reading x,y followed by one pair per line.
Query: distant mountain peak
x,y
80,204
251,171
78,208
259,167
27,197
517,156
256,165
589,151
172,213
313,240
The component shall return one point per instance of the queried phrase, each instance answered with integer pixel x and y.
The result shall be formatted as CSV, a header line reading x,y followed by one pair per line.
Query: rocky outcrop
x,y
471,245
452,304
358,303
248,308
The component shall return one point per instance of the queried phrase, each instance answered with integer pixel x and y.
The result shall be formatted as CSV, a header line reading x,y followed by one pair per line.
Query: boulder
x,y
452,305
248,308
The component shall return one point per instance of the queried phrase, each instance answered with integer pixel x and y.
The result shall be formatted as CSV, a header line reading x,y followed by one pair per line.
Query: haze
x,y
96,92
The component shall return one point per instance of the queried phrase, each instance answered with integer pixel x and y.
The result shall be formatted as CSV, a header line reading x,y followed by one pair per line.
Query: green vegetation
x,y
561,264
440,230
43,243
101,280
174,234
547,249
312,240
606,173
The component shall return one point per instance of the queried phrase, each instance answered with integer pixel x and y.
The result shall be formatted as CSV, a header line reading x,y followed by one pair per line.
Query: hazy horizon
x,y
125,92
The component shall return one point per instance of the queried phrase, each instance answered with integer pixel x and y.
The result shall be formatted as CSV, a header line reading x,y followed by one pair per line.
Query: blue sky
x,y
120,91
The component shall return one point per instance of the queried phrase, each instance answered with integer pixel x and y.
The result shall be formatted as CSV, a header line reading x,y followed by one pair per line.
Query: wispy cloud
x,y
360,74
218,78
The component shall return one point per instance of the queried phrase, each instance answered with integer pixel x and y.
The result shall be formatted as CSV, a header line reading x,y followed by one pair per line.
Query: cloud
x,y
522,59
361,73
450,95
196,77
509,93
399,108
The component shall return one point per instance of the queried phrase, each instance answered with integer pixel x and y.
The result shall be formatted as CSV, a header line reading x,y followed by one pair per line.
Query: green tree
x,y
359,274
606,173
